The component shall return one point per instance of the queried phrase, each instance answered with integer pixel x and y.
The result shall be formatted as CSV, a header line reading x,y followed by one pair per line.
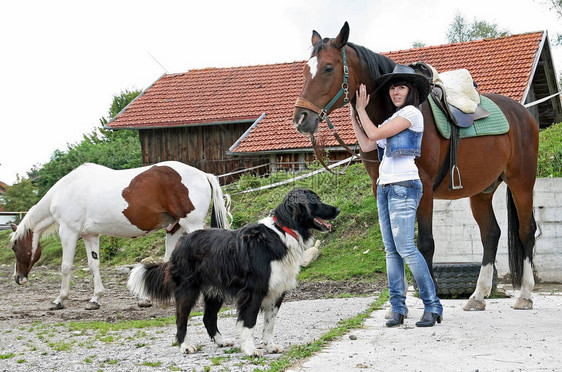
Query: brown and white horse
x,y
93,200
332,75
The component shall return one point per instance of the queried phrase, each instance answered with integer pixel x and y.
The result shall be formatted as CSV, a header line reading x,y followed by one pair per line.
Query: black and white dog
x,y
255,265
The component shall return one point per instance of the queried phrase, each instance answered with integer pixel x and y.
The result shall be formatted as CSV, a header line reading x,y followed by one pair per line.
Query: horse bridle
x,y
323,113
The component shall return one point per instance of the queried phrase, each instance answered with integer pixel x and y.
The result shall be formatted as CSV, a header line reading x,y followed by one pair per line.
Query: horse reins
x,y
323,115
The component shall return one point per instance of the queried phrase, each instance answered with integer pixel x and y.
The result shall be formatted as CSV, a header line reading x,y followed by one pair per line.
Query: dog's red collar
x,y
285,228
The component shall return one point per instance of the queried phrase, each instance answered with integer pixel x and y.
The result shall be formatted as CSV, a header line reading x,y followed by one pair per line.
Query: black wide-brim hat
x,y
405,73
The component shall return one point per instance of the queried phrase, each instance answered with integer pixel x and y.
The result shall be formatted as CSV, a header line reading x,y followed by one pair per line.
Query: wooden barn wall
x,y
203,147
298,161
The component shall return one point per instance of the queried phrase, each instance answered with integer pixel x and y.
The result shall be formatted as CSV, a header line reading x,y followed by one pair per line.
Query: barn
x,y
222,120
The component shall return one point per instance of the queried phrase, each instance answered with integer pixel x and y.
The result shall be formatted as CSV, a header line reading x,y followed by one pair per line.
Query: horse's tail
x,y
221,216
150,281
514,244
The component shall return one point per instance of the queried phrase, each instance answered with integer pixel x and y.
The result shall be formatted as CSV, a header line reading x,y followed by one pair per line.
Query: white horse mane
x,y
26,226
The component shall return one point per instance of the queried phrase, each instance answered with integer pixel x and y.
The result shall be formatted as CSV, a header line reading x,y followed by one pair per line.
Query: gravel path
x,y
39,346
33,338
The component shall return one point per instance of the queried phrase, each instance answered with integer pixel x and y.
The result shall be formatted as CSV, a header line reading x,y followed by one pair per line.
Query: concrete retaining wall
x,y
457,237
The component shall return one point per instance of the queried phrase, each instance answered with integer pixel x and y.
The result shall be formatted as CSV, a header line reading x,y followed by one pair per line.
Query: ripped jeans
x,y
397,205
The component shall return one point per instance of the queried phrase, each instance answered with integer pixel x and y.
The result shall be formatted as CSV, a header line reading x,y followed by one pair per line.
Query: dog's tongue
x,y
322,222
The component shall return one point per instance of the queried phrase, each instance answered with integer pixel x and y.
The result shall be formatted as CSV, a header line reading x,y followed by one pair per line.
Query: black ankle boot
x,y
395,319
428,319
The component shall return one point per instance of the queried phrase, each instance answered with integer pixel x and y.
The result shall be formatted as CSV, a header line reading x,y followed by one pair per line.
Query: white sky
x,y
61,62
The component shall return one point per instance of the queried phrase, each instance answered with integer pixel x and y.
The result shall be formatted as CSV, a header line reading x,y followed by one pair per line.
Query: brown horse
x,y
336,68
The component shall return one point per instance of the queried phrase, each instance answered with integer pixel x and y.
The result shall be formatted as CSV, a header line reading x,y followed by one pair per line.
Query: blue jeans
x,y
397,205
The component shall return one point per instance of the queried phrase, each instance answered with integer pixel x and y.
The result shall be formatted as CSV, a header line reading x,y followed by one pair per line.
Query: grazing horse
x,y
93,200
485,161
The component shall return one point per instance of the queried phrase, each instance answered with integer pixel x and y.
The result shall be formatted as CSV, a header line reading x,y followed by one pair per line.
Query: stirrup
x,y
458,172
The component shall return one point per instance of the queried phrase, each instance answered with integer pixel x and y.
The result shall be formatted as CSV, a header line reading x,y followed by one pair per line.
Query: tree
x,y
21,196
556,6
459,30
418,44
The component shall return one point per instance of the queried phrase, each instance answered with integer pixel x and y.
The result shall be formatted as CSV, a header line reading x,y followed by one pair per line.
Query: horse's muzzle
x,y
306,123
20,279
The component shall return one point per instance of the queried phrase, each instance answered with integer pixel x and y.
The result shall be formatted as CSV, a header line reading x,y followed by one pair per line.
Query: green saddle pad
x,y
494,124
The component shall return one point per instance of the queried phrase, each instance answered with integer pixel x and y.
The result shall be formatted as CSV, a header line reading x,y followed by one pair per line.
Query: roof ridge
x,y
465,42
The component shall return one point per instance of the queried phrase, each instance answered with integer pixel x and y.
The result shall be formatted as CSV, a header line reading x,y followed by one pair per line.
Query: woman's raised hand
x,y
361,98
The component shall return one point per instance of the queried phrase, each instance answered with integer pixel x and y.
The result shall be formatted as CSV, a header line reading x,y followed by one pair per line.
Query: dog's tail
x,y
150,281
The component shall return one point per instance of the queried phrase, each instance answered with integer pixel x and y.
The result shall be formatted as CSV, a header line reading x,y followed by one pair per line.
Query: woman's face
x,y
398,94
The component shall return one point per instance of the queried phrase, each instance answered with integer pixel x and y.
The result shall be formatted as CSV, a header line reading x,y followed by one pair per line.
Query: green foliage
x,y
21,196
459,30
550,152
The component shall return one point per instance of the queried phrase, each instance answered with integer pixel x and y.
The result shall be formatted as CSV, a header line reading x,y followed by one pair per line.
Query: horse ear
x,y
316,38
341,40
14,227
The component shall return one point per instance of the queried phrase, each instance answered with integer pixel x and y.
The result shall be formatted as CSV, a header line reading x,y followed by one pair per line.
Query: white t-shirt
x,y
400,168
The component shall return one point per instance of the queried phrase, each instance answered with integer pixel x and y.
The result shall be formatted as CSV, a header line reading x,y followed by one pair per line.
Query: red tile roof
x,y
503,65
218,95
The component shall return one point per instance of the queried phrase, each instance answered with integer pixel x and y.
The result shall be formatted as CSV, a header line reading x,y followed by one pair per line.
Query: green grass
x,y
550,152
103,327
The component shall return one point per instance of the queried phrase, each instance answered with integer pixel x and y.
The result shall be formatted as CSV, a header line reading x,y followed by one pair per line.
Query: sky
x,y
62,62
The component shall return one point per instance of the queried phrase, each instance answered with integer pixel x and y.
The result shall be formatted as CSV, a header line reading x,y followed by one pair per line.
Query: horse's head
x,y
22,245
325,87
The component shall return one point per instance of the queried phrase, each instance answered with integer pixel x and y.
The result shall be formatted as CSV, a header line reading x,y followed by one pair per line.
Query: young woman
x,y
399,189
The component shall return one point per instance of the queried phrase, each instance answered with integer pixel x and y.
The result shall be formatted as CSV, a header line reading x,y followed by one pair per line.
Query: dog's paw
x,y
222,342
187,349
249,349
254,353
273,349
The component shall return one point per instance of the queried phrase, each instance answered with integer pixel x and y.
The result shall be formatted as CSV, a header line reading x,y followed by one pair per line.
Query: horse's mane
x,y
26,226
377,63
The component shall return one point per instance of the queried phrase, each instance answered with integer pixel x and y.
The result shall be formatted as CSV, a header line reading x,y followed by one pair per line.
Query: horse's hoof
x,y
92,306
523,304
474,305
145,303
57,306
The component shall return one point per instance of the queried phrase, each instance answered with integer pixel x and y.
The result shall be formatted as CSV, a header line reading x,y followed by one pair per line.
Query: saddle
x,y
455,93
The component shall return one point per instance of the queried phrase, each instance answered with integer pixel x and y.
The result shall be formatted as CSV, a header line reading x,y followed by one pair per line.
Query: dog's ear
x,y
297,210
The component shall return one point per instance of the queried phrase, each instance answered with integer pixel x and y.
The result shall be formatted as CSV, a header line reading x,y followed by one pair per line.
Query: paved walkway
x,y
496,339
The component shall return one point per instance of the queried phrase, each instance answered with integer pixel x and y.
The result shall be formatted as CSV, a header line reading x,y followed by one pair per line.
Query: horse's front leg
x,y
68,242
483,213
92,244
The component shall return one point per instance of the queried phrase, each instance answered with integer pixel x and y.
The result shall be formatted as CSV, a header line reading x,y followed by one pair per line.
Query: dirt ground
x,y
34,338
31,302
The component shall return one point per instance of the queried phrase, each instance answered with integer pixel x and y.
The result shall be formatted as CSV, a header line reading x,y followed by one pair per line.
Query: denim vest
x,y
405,143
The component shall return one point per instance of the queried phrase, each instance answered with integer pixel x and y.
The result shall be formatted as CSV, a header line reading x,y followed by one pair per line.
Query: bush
x,y
550,152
